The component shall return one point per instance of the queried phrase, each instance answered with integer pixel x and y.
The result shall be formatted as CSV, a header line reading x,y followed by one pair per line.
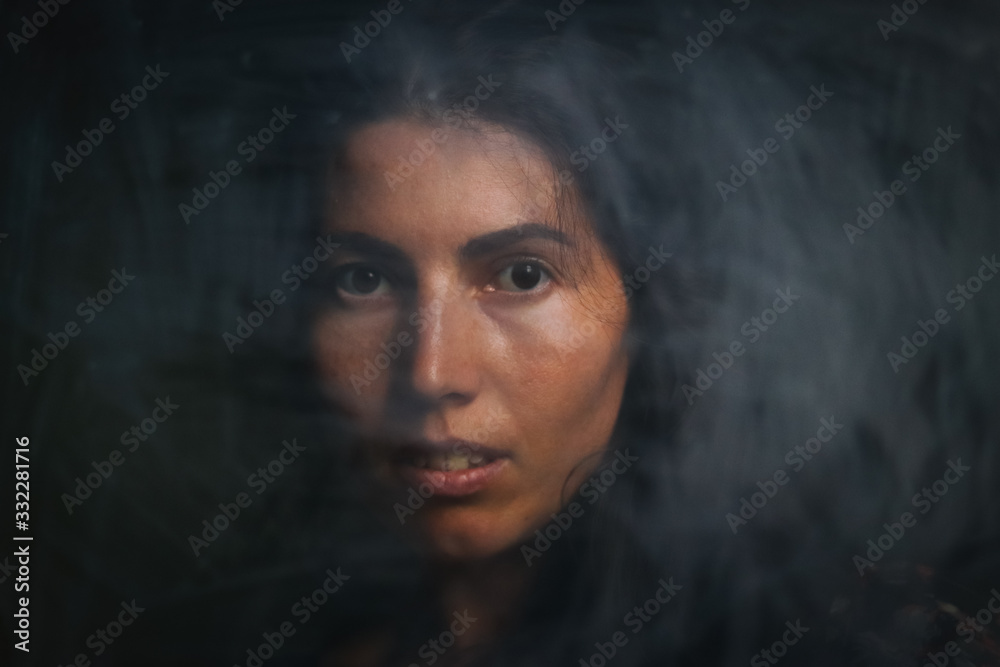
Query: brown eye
x,y
362,281
522,277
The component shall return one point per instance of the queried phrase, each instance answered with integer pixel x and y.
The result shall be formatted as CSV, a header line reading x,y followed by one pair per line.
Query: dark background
x,y
162,336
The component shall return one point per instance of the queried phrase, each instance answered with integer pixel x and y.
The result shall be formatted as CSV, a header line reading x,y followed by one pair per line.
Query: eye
x,y
522,277
362,281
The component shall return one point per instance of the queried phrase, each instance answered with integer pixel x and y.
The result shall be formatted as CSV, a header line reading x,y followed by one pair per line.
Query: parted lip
x,y
405,452
453,484
408,459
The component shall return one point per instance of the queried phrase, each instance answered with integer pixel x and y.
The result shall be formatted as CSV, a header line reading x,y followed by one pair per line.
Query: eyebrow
x,y
363,243
489,243
366,244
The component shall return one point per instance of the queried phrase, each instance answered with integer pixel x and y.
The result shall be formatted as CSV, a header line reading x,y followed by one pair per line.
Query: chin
x,y
460,534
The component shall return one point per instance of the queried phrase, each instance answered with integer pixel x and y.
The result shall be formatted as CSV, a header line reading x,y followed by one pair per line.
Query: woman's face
x,y
475,341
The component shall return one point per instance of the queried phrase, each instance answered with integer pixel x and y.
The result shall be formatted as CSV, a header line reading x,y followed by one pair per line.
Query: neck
x,y
490,591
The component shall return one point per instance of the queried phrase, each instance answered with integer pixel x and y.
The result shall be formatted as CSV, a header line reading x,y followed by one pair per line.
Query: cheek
x,y
572,341
566,374
347,351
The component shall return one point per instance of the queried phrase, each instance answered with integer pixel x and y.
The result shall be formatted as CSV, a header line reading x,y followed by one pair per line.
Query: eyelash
x,y
341,273
547,276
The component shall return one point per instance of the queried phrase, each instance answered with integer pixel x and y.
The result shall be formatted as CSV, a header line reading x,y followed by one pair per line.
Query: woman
x,y
497,294
482,317
630,331
517,315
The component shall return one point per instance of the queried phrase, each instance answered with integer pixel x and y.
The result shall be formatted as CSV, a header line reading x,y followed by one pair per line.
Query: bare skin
x,y
516,322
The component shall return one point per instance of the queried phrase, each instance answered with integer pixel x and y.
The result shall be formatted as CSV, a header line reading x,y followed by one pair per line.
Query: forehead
x,y
441,181
485,149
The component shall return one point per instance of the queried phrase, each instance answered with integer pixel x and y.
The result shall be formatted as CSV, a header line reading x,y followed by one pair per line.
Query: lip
x,y
452,483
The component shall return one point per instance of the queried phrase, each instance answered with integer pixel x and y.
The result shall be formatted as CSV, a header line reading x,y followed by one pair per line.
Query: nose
x,y
448,350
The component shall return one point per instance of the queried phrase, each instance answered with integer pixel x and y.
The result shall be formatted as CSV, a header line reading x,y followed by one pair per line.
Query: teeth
x,y
457,462
448,461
